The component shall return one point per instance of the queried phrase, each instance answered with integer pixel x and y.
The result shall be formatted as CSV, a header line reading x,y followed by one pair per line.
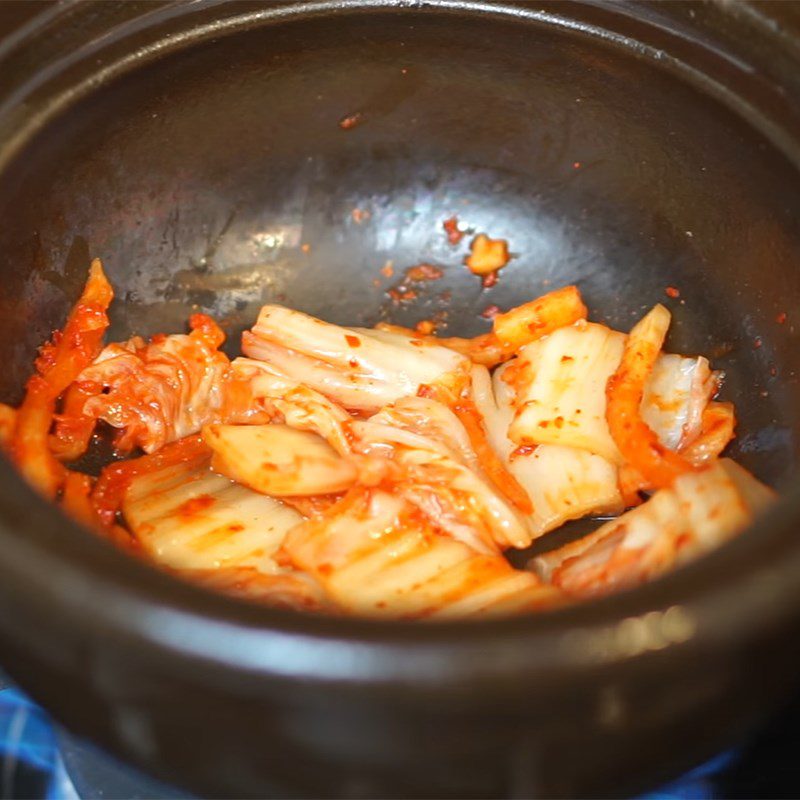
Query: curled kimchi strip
x,y
637,442
492,465
73,429
60,362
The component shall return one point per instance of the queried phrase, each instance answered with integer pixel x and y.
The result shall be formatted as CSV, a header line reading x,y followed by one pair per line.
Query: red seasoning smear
x,y
672,292
781,318
353,341
387,270
489,280
757,342
350,121
490,312
424,272
401,294
359,216
196,505
454,235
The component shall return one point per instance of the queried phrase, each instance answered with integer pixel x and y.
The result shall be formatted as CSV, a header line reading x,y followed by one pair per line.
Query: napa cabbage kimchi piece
x,y
384,472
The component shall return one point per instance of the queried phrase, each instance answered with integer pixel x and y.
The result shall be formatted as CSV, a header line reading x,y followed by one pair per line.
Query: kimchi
x,y
386,472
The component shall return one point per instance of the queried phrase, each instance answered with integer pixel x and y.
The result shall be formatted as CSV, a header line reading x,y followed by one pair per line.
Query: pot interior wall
x,y
218,178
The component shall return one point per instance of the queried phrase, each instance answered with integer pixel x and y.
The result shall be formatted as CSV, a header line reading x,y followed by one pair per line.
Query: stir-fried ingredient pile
x,y
382,471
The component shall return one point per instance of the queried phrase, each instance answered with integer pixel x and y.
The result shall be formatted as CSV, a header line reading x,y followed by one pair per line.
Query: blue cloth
x,y
31,768
29,762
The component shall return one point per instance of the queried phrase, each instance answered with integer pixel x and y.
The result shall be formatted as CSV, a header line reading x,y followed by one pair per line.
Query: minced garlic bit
x,y
487,255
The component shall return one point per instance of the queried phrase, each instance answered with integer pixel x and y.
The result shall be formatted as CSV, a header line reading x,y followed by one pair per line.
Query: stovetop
x,y
40,762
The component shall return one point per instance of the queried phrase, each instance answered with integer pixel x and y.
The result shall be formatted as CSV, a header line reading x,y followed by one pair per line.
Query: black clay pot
x,y
196,147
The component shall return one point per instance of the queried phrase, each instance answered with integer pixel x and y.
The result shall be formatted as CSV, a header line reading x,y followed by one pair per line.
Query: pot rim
x,y
736,592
